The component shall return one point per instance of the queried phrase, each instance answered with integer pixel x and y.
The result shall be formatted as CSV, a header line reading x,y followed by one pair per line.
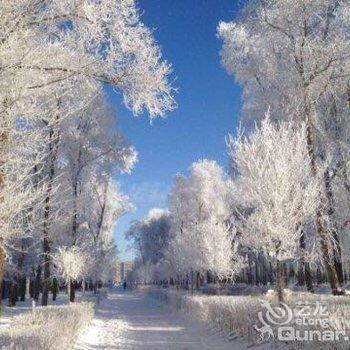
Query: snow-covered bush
x,y
229,313
47,328
239,314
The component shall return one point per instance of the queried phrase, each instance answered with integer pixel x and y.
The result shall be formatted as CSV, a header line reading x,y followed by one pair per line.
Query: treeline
x,y
60,149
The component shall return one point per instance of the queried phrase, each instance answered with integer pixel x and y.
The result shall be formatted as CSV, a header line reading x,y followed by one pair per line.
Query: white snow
x,y
46,328
132,320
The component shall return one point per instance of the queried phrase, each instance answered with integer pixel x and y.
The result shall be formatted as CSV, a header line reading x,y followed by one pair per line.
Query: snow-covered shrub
x,y
47,328
229,313
239,314
233,289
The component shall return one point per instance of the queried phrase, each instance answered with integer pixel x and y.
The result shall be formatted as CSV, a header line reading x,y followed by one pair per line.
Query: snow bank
x,y
230,313
47,328
233,289
238,315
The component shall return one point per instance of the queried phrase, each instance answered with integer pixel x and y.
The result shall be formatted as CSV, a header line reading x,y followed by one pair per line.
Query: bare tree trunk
x,y
31,287
74,234
192,281
53,149
6,127
337,253
46,240
324,240
301,272
280,281
256,263
71,291
37,283
46,256
21,277
47,272
304,272
335,242
308,278
4,144
2,270
22,288
13,293
264,270
250,269
54,288
286,274
99,225
95,287
318,275
198,280
337,256
84,286
309,114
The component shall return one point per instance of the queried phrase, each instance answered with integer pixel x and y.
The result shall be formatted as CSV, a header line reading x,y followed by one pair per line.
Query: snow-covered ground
x,y
7,313
148,320
132,320
21,307
44,328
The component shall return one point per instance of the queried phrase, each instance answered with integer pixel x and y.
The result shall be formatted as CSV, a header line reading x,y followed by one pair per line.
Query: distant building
x,y
118,275
123,268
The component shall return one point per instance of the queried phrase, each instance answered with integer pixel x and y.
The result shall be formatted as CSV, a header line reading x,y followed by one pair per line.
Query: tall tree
x,y
201,214
276,182
45,45
290,56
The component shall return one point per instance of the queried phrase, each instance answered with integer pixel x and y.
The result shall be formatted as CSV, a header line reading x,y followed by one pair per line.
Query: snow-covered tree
x,y
107,205
151,235
22,197
150,238
276,182
46,42
291,57
288,55
200,208
49,48
91,152
71,262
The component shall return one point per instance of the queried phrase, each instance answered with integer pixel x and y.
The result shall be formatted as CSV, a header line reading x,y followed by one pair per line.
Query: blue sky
x,y
208,103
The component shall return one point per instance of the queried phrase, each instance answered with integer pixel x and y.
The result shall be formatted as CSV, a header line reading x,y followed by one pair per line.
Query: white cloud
x,y
150,194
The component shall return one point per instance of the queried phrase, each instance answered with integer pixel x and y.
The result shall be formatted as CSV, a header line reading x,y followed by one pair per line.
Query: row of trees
x,y
60,149
286,195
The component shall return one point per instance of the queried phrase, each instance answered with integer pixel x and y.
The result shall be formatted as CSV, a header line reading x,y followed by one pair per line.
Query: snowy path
x,y
131,320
